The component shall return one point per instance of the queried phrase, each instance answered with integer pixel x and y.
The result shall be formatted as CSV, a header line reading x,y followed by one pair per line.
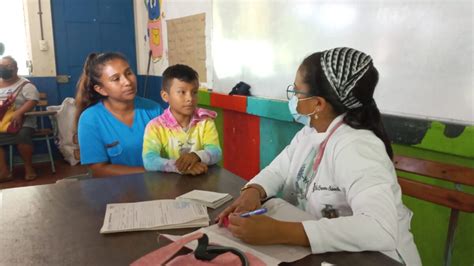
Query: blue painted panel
x,y
80,10
112,36
85,26
275,135
80,42
276,109
113,11
59,29
154,88
47,85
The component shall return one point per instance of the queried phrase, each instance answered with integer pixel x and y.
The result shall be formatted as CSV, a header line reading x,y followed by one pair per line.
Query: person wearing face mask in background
x,y
338,168
25,101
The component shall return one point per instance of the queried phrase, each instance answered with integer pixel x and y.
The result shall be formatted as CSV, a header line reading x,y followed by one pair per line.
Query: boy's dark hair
x,y
182,72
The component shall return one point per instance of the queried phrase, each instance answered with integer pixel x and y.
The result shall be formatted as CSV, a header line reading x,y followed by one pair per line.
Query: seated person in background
x,y
112,118
25,101
184,138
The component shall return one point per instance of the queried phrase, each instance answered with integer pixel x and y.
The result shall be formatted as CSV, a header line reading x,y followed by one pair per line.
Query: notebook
x,y
153,215
208,198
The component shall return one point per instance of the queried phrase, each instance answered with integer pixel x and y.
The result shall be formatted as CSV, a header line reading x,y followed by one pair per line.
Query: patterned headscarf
x,y
343,68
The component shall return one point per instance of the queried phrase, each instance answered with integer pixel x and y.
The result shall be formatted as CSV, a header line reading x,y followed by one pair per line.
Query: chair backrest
x,y
43,101
451,198
41,106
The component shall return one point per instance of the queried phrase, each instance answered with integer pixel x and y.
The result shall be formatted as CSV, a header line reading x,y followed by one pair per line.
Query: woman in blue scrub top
x,y
111,117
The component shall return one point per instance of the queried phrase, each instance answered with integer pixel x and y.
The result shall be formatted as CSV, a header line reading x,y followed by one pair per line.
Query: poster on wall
x,y
155,32
187,43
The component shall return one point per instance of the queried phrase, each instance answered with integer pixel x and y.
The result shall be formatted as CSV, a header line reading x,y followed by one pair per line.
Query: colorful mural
x,y
155,33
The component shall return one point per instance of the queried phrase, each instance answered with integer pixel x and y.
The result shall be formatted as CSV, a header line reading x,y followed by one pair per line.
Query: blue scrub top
x,y
103,138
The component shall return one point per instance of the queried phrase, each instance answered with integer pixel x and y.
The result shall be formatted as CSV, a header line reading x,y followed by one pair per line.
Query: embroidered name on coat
x,y
328,188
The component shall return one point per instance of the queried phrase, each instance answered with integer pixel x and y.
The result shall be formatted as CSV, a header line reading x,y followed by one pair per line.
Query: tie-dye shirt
x,y
165,140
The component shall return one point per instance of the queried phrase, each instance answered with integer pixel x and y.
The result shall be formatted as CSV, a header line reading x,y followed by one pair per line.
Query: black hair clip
x,y
241,88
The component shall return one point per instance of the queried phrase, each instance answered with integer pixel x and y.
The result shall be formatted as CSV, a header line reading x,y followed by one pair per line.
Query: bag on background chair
x,y
66,137
204,255
7,109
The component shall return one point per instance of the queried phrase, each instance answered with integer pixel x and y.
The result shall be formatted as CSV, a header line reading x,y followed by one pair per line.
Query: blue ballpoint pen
x,y
255,212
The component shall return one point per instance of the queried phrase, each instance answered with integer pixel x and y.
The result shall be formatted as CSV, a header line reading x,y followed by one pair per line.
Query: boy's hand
x,y
186,160
196,169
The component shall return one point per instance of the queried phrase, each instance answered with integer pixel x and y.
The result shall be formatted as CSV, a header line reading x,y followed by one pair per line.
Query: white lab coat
x,y
357,179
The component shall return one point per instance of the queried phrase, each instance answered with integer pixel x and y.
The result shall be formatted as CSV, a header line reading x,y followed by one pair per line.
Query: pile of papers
x,y
270,254
153,215
206,198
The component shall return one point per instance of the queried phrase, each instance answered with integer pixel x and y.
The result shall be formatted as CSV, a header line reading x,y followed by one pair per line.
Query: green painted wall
x,y
204,100
462,145
204,97
276,109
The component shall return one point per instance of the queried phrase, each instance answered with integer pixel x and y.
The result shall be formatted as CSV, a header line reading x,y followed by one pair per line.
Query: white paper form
x,y
152,215
270,254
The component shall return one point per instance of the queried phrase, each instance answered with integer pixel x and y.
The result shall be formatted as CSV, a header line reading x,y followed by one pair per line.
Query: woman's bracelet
x,y
254,187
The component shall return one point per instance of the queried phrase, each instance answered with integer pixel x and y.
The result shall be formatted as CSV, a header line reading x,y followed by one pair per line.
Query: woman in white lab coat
x,y
338,167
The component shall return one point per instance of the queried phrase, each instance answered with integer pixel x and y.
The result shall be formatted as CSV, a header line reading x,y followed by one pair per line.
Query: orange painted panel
x,y
229,102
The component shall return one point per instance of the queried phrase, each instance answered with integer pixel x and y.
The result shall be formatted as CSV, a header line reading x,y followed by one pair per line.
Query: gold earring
x,y
316,114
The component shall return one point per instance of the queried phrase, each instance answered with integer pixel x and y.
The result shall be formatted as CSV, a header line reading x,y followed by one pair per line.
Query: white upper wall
x,y
171,9
44,63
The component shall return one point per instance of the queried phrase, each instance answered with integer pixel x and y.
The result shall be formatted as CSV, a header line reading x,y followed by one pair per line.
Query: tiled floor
x,y
45,176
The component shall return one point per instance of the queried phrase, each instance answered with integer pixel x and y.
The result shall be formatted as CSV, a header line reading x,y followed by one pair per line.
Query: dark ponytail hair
x,y
86,95
365,117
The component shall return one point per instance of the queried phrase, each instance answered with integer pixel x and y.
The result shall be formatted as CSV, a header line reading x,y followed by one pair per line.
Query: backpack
x,y
66,137
204,255
241,88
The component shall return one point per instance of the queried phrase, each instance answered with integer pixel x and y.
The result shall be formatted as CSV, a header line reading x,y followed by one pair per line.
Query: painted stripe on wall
x,y
269,108
274,137
234,102
451,139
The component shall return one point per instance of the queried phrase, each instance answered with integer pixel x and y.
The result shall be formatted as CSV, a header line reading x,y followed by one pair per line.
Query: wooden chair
x,y
42,133
454,199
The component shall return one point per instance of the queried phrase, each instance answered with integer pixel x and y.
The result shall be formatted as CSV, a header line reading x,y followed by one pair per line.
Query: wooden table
x,y
59,224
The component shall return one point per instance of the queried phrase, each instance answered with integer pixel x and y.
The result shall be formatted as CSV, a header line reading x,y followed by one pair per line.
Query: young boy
x,y
184,138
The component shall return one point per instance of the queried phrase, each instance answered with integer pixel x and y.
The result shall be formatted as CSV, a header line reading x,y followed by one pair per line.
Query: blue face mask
x,y
300,118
